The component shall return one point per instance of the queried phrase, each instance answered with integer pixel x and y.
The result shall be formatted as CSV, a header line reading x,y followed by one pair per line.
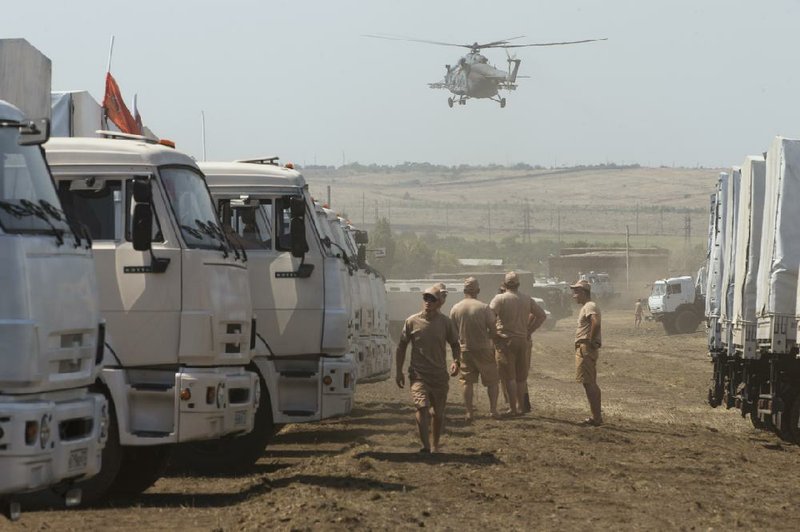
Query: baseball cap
x,y
434,291
583,284
471,285
511,279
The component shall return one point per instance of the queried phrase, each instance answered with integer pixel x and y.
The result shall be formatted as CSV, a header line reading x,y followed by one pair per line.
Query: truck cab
x,y
298,281
676,304
175,295
52,427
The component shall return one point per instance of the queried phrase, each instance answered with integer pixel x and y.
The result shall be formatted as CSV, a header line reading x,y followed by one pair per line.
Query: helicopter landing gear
x,y
450,102
502,103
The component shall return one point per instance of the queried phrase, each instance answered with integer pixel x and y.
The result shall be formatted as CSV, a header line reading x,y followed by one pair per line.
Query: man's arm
x,y
400,357
594,329
455,348
536,318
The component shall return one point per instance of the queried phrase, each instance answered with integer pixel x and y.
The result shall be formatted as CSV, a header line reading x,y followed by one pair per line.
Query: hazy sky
x,y
682,82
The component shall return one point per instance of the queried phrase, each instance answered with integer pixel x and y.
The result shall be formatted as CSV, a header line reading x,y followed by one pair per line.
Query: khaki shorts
x,y
586,364
513,358
426,396
479,363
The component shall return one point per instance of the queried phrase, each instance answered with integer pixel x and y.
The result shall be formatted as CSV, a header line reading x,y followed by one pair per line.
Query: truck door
x,y
141,308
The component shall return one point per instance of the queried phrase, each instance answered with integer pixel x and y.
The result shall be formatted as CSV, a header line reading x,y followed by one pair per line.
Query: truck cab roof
x,y
89,152
251,175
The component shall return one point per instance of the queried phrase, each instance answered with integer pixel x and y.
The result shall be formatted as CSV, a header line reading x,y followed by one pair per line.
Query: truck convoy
x,y
677,303
754,348
52,427
175,295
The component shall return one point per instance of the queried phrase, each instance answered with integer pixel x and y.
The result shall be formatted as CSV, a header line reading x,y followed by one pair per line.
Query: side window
x,y
248,226
283,218
98,206
158,236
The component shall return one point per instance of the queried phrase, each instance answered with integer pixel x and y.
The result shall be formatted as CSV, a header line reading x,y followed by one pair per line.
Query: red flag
x,y
115,108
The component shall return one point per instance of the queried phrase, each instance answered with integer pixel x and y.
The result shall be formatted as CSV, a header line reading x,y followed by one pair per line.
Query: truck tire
x,y
141,467
794,418
235,454
96,489
686,321
669,324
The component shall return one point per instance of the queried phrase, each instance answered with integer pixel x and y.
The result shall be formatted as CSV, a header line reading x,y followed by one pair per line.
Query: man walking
x,y
475,323
516,320
638,311
428,332
588,341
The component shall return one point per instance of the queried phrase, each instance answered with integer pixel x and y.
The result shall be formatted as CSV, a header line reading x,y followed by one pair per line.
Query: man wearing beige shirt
x,y
517,318
475,323
428,332
588,340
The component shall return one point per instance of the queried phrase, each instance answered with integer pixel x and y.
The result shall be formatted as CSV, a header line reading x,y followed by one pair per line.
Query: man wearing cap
x,y
428,332
587,348
518,316
475,323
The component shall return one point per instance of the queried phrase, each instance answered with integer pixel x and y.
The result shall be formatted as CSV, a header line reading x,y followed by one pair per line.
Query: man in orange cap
x,y
428,332
588,341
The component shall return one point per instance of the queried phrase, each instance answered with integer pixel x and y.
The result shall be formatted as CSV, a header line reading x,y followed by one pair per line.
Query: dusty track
x,y
664,460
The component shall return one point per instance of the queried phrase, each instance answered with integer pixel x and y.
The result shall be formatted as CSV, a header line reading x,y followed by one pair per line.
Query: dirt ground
x,y
664,460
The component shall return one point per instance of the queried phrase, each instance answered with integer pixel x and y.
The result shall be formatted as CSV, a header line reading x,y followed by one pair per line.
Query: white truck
x,y
602,287
52,428
677,303
299,293
762,378
175,295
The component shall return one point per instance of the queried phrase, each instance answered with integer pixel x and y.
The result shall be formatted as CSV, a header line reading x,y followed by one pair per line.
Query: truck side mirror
x,y
142,230
142,224
142,191
297,229
34,132
297,207
361,237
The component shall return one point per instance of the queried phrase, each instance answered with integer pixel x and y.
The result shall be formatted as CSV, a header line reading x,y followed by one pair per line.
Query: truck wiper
x,y
209,231
61,216
222,237
28,208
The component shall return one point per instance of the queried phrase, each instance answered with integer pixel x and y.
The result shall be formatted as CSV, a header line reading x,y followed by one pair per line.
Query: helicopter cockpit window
x,y
248,225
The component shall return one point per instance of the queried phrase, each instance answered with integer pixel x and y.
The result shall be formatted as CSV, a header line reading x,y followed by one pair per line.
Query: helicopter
x,y
473,76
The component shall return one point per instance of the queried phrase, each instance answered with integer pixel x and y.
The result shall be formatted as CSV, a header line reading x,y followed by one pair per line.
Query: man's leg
x,y
593,396
423,425
468,399
438,419
522,391
493,391
511,387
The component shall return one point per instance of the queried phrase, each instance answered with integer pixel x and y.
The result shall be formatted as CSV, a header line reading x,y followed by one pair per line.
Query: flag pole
x,y
203,132
110,53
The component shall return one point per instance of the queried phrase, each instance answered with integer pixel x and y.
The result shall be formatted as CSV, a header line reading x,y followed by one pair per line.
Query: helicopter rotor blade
x,y
401,38
546,43
497,43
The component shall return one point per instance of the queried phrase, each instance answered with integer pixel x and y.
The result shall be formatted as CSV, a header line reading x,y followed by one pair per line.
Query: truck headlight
x,y
44,431
31,432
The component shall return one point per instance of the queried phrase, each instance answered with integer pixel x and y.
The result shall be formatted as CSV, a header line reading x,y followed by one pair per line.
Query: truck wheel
x,y
686,321
230,454
756,422
669,325
794,419
141,467
96,489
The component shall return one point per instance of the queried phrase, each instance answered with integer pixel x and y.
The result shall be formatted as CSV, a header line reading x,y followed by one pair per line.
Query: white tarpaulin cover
x,y
780,243
716,253
748,238
75,114
730,252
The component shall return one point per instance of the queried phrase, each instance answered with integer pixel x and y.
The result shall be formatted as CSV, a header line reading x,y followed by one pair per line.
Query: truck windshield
x,y
193,209
659,289
28,200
